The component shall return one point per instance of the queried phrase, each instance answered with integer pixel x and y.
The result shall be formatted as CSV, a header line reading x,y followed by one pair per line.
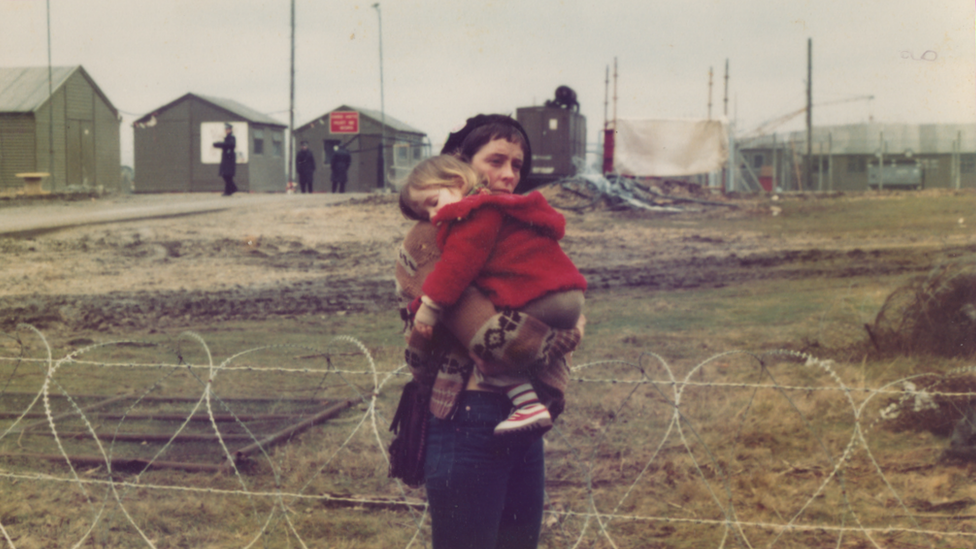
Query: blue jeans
x,y
483,491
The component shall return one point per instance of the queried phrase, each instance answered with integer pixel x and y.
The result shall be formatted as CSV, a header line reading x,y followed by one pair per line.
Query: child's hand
x,y
426,315
425,331
420,339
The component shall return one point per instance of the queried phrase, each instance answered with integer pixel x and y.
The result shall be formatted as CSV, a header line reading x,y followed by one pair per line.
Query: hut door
x,y
87,154
80,153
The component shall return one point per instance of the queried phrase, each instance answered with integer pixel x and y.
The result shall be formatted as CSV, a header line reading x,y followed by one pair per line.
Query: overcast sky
x,y
446,60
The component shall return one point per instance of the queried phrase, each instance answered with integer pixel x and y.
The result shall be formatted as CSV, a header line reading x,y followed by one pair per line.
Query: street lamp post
x,y
382,156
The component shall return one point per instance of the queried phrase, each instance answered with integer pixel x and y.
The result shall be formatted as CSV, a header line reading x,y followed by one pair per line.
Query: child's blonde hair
x,y
438,171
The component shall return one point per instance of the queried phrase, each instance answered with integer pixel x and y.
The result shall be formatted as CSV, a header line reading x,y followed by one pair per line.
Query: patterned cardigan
x,y
509,341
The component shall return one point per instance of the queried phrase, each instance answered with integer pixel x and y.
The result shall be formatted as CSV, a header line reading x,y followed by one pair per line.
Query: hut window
x,y
757,161
967,163
277,144
258,141
416,154
328,147
401,150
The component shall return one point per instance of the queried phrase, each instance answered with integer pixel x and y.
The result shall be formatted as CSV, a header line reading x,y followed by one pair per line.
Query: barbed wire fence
x,y
773,449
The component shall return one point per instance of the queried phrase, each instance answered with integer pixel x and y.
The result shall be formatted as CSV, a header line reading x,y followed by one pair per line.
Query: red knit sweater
x,y
505,244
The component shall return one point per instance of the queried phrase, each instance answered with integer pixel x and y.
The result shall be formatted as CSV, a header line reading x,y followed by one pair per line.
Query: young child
x,y
506,245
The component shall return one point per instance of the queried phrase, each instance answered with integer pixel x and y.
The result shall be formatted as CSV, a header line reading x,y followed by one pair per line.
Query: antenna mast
x,y
615,93
709,93
808,176
725,107
606,98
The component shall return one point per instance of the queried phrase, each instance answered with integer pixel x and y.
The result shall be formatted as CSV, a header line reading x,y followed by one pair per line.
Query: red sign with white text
x,y
344,122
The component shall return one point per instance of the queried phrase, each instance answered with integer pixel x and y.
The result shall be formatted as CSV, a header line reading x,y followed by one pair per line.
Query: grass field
x,y
747,415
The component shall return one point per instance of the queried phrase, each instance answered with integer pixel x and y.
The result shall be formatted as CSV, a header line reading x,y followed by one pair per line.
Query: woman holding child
x,y
484,468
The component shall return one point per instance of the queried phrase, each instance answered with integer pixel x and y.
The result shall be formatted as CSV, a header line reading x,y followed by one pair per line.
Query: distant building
x,y
859,157
405,147
558,139
79,146
174,147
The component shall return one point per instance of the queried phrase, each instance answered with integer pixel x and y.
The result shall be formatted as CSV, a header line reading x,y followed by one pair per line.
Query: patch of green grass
x,y
848,216
856,215
755,316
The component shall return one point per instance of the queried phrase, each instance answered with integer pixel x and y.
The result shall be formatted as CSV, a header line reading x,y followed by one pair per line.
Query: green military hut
x,y
859,157
174,147
57,121
361,131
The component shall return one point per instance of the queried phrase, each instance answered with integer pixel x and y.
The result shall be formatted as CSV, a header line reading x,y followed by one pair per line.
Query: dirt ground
x,y
308,255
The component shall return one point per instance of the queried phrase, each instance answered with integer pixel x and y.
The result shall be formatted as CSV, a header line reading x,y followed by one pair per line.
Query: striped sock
x,y
522,395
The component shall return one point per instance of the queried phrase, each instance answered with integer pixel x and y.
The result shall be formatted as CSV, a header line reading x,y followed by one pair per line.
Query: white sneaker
x,y
531,418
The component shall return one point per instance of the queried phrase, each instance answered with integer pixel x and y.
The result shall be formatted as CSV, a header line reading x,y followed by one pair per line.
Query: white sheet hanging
x,y
663,148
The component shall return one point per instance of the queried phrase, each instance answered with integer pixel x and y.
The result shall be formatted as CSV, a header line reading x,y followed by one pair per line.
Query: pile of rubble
x,y
594,191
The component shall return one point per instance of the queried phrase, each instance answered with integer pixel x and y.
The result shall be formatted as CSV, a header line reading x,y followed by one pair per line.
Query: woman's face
x,y
500,161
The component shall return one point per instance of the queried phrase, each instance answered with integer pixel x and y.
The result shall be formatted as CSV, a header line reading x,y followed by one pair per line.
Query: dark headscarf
x,y
455,142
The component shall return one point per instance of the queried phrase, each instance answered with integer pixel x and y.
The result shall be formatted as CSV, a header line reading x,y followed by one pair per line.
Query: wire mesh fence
x,y
130,443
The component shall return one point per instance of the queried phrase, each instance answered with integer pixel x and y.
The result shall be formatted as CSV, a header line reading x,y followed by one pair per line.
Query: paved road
x,y
41,215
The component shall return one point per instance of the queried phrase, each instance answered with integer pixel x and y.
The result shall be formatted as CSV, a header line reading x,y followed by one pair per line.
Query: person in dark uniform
x,y
305,165
228,159
341,159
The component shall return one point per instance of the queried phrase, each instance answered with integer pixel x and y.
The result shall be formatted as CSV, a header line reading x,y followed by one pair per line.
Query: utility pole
x,y
725,109
958,178
776,162
291,103
708,177
606,100
808,178
820,166
882,148
50,103
830,161
602,141
614,93
709,93
609,127
382,156
730,176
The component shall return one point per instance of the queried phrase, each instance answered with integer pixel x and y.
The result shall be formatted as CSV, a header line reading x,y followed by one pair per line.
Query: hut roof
x,y
229,105
26,89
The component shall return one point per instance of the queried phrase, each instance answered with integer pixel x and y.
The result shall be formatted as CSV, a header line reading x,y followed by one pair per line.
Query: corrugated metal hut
x,y
174,147
848,157
558,138
70,117
405,147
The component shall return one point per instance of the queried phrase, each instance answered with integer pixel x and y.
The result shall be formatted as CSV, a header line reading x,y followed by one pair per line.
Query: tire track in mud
x,y
715,271
332,294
